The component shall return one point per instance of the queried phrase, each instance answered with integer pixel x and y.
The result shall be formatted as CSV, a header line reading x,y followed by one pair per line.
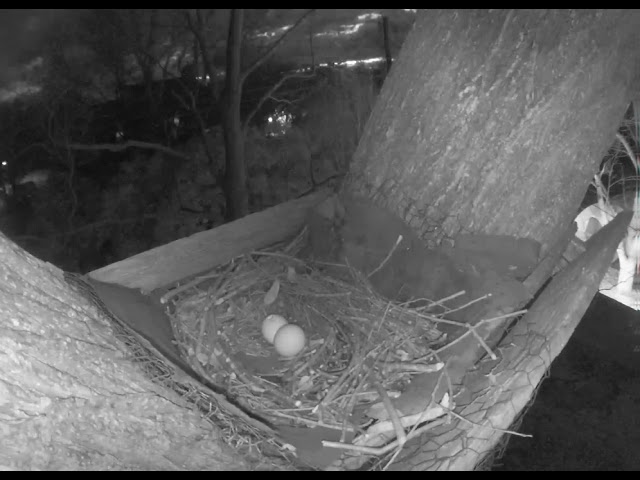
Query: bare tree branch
x,y
273,47
109,221
118,147
199,36
196,112
268,94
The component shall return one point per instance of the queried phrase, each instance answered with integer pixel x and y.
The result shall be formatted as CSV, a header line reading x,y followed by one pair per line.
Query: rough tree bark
x,y
495,121
69,396
237,195
386,42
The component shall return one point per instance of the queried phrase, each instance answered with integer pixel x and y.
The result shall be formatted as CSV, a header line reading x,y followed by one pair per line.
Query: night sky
x,y
20,33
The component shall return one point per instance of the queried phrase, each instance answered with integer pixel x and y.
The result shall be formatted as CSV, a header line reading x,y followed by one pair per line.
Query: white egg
x,y
271,325
289,340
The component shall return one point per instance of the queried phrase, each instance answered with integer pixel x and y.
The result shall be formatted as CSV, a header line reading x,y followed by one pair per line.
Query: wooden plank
x,y
167,264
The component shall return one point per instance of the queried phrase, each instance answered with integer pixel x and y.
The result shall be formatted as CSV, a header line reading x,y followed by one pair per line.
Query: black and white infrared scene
x,y
319,239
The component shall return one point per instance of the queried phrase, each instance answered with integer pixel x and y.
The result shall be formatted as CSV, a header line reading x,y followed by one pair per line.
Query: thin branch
x,y
387,448
386,259
204,49
102,223
203,128
269,94
393,415
273,47
118,147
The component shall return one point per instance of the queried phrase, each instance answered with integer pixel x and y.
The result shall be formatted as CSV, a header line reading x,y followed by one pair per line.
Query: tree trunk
x,y
492,122
385,39
495,121
70,399
237,197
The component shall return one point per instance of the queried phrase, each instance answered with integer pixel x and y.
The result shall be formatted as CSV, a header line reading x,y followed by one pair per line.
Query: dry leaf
x,y
272,294
203,358
305,383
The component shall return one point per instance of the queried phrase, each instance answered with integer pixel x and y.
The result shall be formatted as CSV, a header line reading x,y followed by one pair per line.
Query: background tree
x,y
236,74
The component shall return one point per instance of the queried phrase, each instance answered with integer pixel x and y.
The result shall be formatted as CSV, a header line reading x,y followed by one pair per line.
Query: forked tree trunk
x,y
495,121
70,398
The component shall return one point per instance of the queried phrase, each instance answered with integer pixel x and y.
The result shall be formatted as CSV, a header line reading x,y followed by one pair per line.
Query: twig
x,y
413,367
196,281
393,249
468,304
472,328
102,223
278,255
440,302
311,423
273,47
199,342
393,415
387,448
268,95
118,147
466,420
484,344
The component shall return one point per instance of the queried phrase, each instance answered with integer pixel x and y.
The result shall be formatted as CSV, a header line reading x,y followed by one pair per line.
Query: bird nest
x,y
361,350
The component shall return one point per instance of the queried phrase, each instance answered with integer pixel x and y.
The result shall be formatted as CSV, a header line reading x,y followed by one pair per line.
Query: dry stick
x,y
350,404
277,254
382,321
444,374
501,430
393,415
392,459
386,259
449,311
315,356
484,344
471,329
466,325
387,448
203,326
398,443
434,303
413,367
172,293
196,281
468,304
311,423
349,371
118,147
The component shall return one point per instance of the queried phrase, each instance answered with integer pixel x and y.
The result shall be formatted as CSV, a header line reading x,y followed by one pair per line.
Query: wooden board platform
x,y
186,257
